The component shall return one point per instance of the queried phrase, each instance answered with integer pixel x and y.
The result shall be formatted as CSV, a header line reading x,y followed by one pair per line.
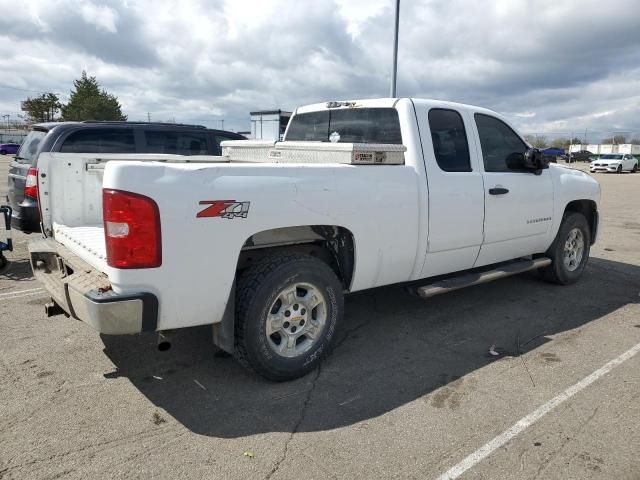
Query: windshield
x,y
611,157
28,152
352,125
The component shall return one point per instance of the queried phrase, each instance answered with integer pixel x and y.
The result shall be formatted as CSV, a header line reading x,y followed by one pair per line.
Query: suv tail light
x,y
31,185
131,230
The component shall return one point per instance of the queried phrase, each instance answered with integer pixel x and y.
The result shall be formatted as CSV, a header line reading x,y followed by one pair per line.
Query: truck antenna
x,y
394,71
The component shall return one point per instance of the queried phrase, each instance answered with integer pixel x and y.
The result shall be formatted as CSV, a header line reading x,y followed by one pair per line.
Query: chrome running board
x,y
469,279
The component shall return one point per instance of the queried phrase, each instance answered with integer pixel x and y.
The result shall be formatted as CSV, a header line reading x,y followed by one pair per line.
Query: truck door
x,y
456,204
518,203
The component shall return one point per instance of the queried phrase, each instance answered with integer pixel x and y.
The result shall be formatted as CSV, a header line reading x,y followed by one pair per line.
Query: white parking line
x,y
24,295
525,422
20,292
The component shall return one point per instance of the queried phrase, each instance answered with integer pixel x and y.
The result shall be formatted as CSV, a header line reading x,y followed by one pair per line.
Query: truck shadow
x,y
16,270
393,349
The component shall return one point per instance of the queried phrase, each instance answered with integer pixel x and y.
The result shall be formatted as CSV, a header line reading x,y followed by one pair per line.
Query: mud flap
x,y
224,330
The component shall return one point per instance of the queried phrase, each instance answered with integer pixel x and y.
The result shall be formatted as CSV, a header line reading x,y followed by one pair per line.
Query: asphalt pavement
x,y
410,391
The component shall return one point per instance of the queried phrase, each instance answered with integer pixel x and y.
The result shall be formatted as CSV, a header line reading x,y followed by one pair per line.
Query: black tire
x,y
258,292
635,168
558,272
619,170
3,261
3,152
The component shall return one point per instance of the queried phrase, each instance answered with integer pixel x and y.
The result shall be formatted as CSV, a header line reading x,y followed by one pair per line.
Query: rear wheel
x,y
635,168
288,308
569,251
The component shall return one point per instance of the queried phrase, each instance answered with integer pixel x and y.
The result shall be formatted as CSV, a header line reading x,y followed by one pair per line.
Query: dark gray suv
x,y
98,137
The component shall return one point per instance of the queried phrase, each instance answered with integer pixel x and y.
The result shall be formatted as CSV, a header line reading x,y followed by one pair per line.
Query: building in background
x,y
269,124
607,148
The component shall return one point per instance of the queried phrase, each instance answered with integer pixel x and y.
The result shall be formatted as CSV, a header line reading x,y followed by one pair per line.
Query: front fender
x,y
569,185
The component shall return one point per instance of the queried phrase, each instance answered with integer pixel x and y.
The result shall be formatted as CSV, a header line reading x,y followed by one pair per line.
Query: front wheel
x,y
288,308
3,152
569,251
619,170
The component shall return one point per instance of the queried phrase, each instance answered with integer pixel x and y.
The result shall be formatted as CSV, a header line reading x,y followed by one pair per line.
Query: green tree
x,y
89,102
43,108
576,141
635,141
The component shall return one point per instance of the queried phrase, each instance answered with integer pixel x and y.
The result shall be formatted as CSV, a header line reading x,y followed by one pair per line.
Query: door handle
x,y
498,191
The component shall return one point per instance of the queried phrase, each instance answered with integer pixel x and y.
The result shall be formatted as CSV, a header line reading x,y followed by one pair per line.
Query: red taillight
x,y
31,186
131,230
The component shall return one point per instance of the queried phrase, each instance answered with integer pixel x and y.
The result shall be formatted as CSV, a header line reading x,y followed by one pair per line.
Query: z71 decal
x,y
224,208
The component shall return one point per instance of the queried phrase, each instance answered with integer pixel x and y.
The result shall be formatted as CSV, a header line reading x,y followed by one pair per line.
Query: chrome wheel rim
x,y
296,319
573,249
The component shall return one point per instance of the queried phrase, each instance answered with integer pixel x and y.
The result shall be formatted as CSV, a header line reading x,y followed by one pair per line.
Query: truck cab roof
x,y
386,102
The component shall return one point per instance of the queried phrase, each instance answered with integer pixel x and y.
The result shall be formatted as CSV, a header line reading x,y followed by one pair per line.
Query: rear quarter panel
x,y
378,204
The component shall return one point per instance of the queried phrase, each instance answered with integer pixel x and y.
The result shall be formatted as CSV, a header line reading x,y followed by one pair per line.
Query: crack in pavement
x,y
303,414
307,400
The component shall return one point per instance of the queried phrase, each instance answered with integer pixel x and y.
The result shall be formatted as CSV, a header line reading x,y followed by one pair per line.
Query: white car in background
x,y
615,162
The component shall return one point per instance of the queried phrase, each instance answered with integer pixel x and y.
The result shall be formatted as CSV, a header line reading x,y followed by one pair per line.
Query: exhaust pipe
x,y
52,309
164,341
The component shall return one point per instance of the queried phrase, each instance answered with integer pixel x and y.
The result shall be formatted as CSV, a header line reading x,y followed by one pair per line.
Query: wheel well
x,y
330,243
589,209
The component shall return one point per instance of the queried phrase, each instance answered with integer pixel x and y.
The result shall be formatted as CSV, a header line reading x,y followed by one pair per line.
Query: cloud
x,y
549,66
102,16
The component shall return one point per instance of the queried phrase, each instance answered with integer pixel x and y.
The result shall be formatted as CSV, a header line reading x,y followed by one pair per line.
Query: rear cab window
x,y
349,125
28,152
100,140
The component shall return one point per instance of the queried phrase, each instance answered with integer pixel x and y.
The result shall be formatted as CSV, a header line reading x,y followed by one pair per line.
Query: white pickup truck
x,y
264,241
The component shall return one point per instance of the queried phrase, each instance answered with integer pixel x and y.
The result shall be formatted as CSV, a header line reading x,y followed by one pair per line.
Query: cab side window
x,y
100,140
498,142
449,139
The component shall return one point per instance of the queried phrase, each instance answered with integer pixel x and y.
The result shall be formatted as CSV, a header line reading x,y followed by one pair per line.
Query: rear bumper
x,y
86,294
26,217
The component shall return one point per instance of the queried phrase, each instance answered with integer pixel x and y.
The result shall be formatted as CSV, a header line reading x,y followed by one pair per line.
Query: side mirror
x,y
535,160
532,159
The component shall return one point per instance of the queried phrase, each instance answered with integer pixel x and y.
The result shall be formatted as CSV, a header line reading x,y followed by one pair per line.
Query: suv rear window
x,y
28,152
176,143
100,140
350,125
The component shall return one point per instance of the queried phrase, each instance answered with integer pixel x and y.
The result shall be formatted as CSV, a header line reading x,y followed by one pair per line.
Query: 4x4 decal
x,y
224,208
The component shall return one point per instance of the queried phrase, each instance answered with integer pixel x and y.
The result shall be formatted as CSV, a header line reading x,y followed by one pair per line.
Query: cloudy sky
x,y
551,66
